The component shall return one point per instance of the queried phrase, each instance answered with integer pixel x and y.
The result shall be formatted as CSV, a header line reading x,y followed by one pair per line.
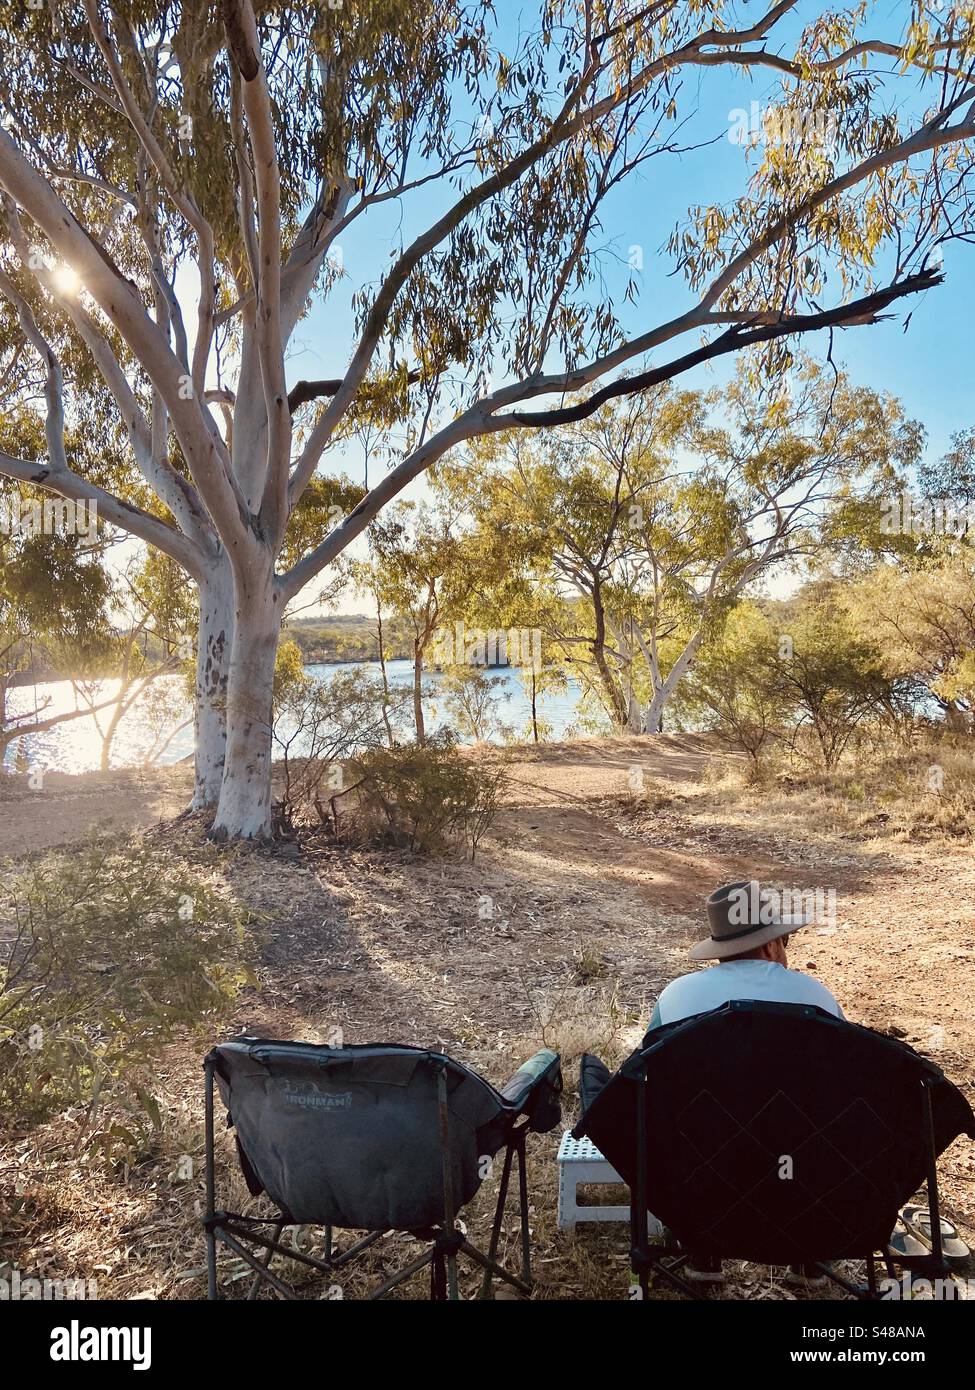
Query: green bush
x,y
107,953
429,797
317,725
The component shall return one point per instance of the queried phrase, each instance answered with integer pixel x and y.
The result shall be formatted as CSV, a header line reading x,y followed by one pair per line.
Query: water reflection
x,y
76,746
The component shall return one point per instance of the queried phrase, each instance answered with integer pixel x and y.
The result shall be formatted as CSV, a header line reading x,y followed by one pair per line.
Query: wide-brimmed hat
x,y
742,916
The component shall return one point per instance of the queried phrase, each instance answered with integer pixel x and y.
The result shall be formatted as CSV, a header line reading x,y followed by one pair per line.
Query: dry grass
x,y
908,795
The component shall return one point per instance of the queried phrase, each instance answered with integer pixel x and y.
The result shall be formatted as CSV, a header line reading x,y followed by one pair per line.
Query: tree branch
x,y
305,391
53,380
120,301
245,50
138,523
170,487
859,311
185,203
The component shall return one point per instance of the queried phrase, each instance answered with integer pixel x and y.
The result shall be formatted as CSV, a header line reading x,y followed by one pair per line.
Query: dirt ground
x,y
580,906
65,807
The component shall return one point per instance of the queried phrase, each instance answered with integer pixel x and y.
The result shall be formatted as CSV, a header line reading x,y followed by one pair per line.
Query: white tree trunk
x,y
244,807
653,720
212,670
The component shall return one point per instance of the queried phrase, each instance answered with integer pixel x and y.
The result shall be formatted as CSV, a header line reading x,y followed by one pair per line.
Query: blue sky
x,y
928,367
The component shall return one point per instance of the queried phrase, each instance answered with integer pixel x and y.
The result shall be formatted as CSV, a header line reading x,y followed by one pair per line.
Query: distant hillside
x,y
336,637
346,637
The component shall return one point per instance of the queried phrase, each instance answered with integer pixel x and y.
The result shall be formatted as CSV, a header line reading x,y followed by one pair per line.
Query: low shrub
x,y
921,792
318,724
428,798
106,953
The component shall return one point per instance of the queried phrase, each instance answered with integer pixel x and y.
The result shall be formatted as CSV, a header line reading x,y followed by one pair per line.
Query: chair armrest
x,y
593,1076
535,1090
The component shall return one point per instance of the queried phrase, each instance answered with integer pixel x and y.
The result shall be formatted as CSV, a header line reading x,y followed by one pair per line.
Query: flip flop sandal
x,y
903,1246
918,1222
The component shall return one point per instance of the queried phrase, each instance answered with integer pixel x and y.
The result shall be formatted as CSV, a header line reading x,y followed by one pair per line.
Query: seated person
x,y
748,941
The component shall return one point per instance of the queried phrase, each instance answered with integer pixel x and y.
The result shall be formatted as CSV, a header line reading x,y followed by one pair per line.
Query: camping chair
x,y
373,1139
775,1133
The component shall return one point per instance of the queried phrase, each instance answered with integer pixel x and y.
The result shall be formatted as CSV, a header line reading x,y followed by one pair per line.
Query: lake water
x,y
76,746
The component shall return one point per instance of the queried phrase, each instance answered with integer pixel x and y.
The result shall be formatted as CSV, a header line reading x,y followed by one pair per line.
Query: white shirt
x,y
739,979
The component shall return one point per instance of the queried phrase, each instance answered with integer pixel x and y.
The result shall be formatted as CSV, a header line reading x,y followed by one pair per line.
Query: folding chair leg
x,y
858,1291
453,1292
498,1219
259,1269
212,1290
938,1262
516,1148
526,1254
256,1281
678,1280
266,1243
438,1278
640,1252
404,1274
445,1258
496,1270
337,1261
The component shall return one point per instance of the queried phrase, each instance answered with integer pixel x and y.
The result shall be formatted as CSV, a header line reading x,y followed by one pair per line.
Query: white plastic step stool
x,y
581,1164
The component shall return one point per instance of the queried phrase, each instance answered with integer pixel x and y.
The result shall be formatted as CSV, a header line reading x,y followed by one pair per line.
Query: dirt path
x,y
64,808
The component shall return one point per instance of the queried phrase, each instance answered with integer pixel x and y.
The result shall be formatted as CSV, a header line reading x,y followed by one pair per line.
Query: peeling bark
x,y
244,806
212,669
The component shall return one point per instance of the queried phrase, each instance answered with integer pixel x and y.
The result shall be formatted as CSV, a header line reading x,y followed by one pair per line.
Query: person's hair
x,y
757,952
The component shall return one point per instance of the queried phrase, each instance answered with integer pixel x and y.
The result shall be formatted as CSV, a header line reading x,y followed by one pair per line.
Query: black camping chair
x,y
374,1139
775,1133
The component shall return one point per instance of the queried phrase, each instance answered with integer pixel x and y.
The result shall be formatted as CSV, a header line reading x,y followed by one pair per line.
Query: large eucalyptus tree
x,y
153,154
